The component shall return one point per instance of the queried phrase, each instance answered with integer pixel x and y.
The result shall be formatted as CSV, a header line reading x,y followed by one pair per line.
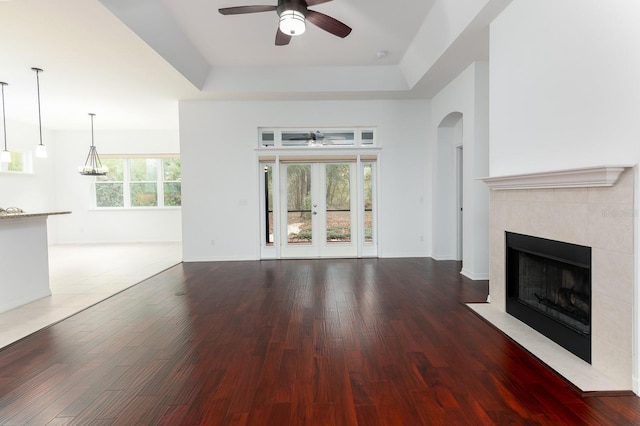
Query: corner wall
x,y
468,94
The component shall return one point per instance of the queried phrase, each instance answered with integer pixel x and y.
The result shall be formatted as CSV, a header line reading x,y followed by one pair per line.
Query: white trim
x,y
636,287
474,277
570,178
197,259
32,297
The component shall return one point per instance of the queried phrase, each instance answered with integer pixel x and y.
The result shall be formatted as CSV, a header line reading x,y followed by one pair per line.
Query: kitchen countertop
x,y
4,215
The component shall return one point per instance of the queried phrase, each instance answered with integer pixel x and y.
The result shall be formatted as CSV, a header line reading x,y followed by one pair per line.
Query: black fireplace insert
x,y
549,289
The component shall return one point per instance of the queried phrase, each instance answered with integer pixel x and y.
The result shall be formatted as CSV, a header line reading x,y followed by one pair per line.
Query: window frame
x,y
127,182
280,138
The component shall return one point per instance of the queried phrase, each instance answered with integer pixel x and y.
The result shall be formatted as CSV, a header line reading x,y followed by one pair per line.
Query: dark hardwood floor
x,y
304,342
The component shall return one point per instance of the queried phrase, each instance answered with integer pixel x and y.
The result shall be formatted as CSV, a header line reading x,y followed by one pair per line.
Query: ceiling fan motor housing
x,y
297,5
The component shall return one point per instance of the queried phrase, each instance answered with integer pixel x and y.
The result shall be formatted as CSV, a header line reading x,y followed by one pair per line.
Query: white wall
x,y
75,192
467,94
565,86
565,91
33,192
55,185
218,142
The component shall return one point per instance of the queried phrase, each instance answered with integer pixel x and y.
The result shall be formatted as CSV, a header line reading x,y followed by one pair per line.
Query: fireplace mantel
x,y
571,178
592,207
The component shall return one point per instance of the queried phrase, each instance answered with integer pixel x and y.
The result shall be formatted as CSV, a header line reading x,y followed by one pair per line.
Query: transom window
x,y
139,182
316,138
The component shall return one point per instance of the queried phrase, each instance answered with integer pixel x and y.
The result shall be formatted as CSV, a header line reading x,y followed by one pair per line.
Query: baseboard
x,y
217,259
25,300
402,255
444,257
475,277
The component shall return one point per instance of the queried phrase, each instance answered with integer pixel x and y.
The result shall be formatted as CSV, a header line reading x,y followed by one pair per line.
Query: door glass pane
x,y
338,203
268,197
299,204
368,202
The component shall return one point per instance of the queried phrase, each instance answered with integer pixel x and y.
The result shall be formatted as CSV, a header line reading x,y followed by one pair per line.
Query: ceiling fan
x,y
293,14
316,138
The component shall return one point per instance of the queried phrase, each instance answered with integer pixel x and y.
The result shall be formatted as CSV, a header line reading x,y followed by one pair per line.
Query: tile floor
x,y
575,370
83,275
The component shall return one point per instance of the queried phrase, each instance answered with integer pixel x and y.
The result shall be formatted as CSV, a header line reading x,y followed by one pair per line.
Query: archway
x,y
448,190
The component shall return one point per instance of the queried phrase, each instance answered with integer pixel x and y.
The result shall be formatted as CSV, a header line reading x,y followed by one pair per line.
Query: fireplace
x,y
549,289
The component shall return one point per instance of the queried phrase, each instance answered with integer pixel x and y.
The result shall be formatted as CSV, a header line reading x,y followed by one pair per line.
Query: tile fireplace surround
x,y
592,207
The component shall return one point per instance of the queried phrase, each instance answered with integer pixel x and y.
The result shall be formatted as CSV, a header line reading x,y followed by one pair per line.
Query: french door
x,y
318,209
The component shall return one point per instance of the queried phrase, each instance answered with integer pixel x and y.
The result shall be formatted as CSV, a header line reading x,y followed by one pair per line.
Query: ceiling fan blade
x,y
239,10
328,24
304,137
314,2
282,39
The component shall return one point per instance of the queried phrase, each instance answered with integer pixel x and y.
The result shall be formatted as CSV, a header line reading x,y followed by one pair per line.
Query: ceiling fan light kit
x,y
293,16
292,22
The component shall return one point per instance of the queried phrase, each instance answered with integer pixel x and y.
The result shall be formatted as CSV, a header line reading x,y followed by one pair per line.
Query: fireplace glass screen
x,y
556,289
549,289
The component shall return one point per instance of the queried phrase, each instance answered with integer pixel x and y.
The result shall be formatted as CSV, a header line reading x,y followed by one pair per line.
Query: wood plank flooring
x,y
302,342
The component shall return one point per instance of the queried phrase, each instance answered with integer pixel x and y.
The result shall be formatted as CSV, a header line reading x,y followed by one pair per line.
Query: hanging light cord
x,y
4,118
38,70
91,114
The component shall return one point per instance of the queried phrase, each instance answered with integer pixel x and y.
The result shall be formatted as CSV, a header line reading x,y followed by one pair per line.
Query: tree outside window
x,y
139,182
110,187
20,163
143,185
171,181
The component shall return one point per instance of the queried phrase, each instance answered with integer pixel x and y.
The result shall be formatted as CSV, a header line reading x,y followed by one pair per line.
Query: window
x,y
139,182
268,199
367,172
20,163
171,181
316,138
143,182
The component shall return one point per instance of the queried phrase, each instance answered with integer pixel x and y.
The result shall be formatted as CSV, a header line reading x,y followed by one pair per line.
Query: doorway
x,y
318,209
448,232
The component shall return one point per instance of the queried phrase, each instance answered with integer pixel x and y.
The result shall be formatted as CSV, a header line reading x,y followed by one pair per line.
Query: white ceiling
x,y
130,61
248,40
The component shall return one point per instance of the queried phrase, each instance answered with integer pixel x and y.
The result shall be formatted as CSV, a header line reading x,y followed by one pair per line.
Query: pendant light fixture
x,y
41,150
5,157
93,166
